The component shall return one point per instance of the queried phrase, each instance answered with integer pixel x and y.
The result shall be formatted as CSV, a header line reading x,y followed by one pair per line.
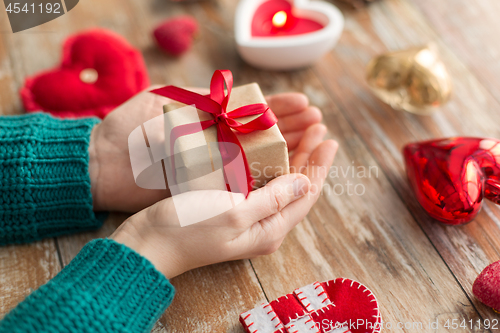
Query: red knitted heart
x,y
99,71
339,306
487,286
451,176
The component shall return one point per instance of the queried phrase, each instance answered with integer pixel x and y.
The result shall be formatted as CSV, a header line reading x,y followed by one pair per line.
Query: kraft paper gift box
x,y
198,163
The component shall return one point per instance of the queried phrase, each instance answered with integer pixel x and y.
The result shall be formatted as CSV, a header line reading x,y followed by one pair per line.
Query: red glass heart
x,y
451,176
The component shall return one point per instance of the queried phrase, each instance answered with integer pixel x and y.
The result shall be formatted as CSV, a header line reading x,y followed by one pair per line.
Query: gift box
x,y
200,156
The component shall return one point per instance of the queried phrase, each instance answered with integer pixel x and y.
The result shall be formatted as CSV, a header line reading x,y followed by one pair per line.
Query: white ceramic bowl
x,y
288,52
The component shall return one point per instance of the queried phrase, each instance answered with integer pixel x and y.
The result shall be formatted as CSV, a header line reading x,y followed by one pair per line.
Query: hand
x,y
112,182
256,226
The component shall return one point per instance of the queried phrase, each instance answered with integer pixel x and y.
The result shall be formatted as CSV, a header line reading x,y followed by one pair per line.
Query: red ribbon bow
x,y
216,104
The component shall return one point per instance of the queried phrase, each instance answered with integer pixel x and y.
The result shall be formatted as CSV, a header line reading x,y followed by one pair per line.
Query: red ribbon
x,y
216,104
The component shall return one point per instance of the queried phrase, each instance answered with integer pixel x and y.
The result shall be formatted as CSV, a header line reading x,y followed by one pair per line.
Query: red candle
x,y
278,18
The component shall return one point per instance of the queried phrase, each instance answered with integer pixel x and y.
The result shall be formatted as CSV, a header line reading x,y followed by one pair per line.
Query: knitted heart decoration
x,y
336,306
99,71
487,286
450,177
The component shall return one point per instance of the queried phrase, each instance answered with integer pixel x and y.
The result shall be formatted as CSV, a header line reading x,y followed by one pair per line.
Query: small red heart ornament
x,y
99,71
451,176
175,35
340,306
487,286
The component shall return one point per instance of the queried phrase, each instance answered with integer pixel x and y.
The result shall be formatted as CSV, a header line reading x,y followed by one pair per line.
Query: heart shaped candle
x,y
450,177
286,34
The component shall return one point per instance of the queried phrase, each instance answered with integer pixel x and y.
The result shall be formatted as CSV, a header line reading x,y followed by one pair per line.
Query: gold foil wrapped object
x,y
415,80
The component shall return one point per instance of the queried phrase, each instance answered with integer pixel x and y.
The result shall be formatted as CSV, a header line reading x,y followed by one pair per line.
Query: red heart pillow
x,y
99,71
339,306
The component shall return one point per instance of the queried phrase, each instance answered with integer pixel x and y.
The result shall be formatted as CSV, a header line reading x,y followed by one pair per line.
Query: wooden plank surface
x,y
9,103
418,269
466,249
23,268
369,237
472,33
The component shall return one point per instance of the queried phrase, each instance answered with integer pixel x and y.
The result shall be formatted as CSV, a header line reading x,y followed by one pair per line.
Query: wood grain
x,y
418,269
368,236
466,249
471,33
210,299
70,245
24,268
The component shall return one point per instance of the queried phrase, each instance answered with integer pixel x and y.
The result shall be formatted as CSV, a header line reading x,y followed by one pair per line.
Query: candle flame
x,y
279,19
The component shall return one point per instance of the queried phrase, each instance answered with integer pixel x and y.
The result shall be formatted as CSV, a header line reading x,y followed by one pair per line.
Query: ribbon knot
x,y
222,117
216,104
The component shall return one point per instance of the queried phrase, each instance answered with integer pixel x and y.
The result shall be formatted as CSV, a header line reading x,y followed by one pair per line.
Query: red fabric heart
x,y
340,306
451,176
354,303
487,286
67,92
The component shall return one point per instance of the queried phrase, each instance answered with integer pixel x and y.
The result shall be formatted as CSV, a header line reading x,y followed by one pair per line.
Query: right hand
x,y
256,226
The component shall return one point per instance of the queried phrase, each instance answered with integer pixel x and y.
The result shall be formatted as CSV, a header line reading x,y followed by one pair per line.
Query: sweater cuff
x,y
127,286
44,177
107,287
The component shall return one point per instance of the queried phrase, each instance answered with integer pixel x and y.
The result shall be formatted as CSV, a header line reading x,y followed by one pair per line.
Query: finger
x,y
311,139
278,225
317,171
292,139
320,161
300,121
273,197
287,103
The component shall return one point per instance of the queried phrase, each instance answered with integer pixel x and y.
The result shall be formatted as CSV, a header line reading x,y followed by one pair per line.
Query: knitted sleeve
x,y
107,288
44,178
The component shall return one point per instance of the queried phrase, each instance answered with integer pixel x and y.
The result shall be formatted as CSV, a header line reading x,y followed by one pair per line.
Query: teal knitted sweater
x,y
45,192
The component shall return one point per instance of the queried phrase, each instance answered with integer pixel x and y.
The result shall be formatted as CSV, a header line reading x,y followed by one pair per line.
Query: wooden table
x,y
419,270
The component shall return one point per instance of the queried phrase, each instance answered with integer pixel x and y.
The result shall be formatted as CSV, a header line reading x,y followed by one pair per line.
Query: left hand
x,y
253,227
112,182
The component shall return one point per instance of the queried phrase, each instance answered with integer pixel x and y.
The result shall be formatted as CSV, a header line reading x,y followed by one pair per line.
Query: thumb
x,y
275,196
